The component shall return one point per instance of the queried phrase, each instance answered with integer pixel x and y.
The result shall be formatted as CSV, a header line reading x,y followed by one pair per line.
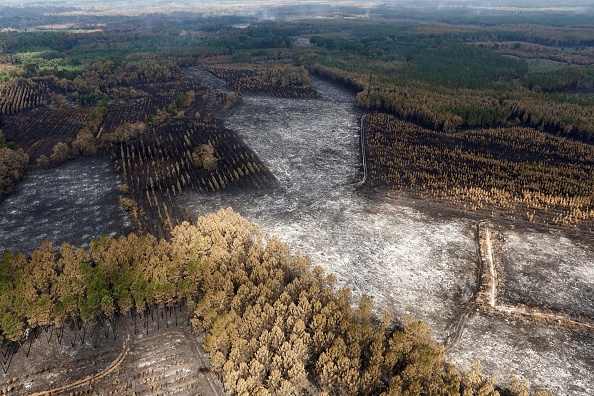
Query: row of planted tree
x,y
181,147
449,111
71,126
521,171
274,325
546,101
183,155
20,94
273,79
165,141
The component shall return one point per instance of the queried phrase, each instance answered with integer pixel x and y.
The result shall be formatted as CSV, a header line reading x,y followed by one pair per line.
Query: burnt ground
x,y
547,356
549,271
144,355
410,254
72,203
37,131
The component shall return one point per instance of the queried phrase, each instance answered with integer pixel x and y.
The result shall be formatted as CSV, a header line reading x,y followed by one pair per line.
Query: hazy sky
x,y
145,3
137,7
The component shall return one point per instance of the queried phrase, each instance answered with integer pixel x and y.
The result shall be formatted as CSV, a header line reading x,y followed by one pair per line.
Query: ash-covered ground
x,y
312,147
72,203
559,360
549,271
409,260
157,354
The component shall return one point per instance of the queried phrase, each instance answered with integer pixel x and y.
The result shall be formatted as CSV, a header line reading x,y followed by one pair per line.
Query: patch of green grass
x,y
544,65
48,62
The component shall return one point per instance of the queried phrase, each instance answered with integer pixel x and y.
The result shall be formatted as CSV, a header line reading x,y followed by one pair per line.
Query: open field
x,y
546,356
549,271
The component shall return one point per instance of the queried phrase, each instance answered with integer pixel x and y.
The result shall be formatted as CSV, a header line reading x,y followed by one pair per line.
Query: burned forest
x,y
289,199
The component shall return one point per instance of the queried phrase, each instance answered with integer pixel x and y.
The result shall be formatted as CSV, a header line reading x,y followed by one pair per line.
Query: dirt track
x,y
487,297
92,378
491,278
363,154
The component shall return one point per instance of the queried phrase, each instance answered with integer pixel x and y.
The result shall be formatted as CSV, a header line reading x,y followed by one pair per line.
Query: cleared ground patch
x,y
549,271
72,203
160,355
550,357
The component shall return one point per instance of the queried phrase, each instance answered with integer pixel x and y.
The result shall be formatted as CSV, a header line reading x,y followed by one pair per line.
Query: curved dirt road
x,y
87,380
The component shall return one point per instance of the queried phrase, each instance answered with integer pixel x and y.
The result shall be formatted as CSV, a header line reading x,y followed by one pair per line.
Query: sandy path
x,y
536,313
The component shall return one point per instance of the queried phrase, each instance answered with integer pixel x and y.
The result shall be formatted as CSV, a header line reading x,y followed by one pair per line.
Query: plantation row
x,y
134,112
276,80
349,79
39,130
166,161
168,89
467,109
164,158
102,75
522,172
21,94
274,325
